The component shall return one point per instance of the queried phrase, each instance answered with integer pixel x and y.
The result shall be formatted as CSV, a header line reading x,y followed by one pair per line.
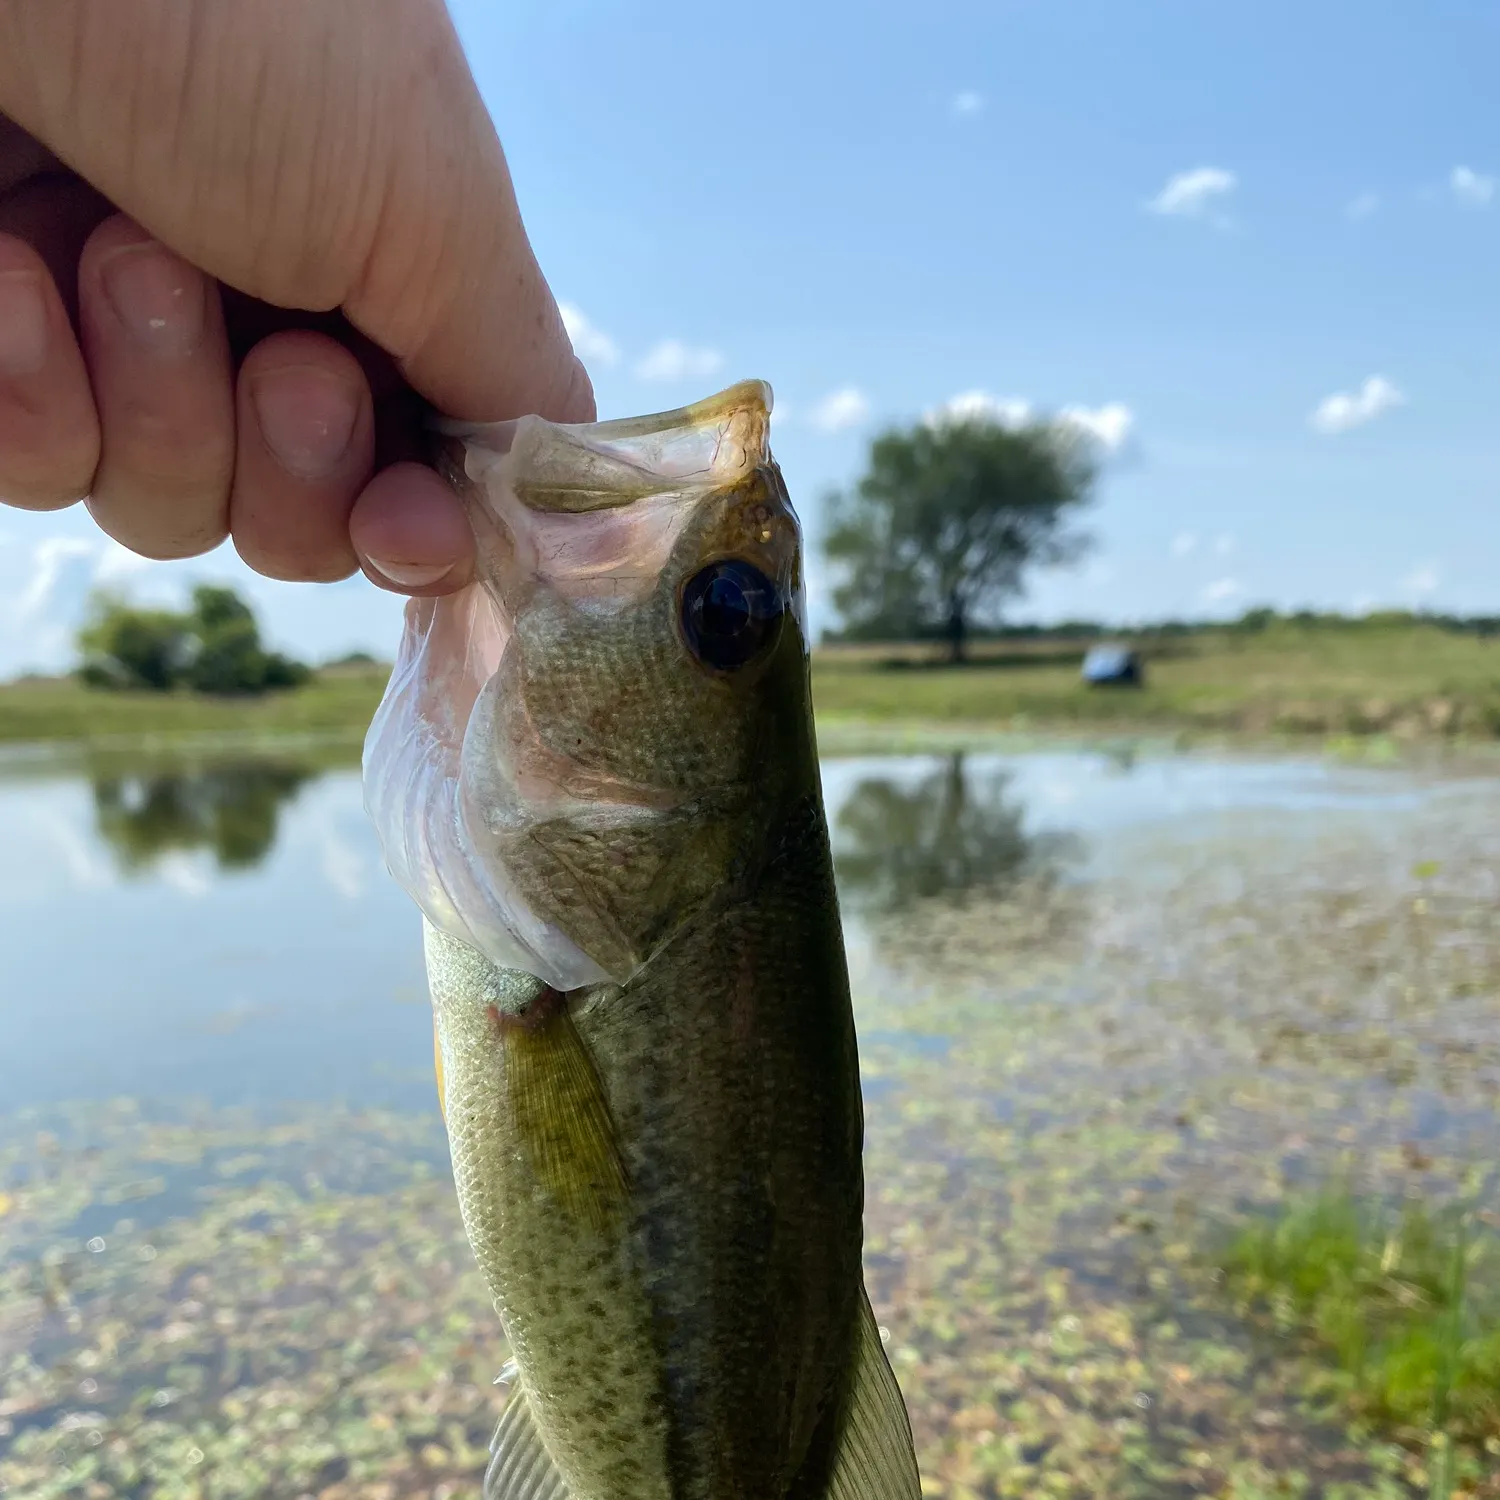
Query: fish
x,y
596,773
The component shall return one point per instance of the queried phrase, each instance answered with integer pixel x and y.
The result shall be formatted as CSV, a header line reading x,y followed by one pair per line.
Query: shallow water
x,y
228,932
1107,1001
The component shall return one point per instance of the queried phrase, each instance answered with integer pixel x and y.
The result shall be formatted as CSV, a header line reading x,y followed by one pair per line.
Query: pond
x,y
1109,1001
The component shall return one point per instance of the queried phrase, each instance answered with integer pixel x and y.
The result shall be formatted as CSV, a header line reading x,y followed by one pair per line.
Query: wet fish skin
x,y
660,1171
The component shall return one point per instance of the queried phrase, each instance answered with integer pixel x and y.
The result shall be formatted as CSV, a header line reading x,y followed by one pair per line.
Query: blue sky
x,y
1257,245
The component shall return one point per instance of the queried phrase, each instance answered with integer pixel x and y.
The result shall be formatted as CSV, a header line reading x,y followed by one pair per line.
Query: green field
x,y
1409,680
337,704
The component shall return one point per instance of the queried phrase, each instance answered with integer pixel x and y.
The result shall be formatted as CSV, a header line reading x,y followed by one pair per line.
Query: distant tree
x,y
936,537
214,647
230,657
126,647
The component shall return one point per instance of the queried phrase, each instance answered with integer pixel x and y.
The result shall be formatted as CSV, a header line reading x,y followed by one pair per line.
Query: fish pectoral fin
x,y
562,1119
520,1467
875,1458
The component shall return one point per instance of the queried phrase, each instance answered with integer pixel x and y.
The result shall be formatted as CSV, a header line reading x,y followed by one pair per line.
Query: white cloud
x,y
589,343
968,103
119,562
50,560
845,408
1197,194
673,360
1421,581
1344,409
1362,206
1108,425
1184,544
1224,544
1221,590
1471,187
980,406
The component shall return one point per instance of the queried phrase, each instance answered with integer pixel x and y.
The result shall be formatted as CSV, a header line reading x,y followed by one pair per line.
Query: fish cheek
x,y
621,889
620,695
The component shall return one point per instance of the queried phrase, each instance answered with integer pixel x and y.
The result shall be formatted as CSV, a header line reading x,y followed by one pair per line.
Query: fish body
x,y
597,774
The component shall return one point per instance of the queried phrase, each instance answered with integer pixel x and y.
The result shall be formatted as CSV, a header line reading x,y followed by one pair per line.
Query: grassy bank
x,y
336,704
1410,679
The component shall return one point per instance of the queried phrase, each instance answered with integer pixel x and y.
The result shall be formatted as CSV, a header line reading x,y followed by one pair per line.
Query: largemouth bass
x,y
595,771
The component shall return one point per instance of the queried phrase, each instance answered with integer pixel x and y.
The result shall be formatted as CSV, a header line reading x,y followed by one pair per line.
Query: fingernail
x,y
23,323
410,575
307,418
159,299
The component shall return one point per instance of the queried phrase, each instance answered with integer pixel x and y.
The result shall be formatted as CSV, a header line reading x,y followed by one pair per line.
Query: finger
x,y
306,438
49,432
153,336
411,534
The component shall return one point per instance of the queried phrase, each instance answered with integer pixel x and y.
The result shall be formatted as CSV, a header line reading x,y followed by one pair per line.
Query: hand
x,y
238,239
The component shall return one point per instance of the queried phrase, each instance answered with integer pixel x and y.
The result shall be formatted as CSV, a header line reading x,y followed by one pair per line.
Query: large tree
x,y
214,647
936,537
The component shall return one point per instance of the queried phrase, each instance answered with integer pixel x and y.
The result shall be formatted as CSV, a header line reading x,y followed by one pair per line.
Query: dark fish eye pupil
x,y
730,610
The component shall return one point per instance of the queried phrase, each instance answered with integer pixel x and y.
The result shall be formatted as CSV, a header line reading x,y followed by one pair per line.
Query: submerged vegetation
x,y
1102,1085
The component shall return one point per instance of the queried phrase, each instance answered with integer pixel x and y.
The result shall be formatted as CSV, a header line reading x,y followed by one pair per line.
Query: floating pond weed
x,y
1087,1091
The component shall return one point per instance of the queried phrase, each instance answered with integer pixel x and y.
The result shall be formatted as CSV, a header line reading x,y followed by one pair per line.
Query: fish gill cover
x,y
589,513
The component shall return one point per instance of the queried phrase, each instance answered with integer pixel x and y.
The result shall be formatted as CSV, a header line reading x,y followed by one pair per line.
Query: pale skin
x,y
244,245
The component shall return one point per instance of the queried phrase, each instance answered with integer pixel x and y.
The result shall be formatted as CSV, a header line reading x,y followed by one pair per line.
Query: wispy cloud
x,y
1221,590
1363,206
589,342
980,406
50,560
841,410
117,562
968,104
1348,409
1109,425
1224,544
1471,187
1184,544
1197,194
673,360
1421,582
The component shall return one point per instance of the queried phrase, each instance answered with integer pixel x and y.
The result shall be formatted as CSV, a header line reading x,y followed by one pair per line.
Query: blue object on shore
x,y
1112,666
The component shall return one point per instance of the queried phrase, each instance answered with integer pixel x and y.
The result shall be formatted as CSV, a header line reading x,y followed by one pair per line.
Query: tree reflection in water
x,y
231,809
947,868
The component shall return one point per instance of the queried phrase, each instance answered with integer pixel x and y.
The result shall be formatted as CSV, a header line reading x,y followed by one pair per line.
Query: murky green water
x,y
1107,1004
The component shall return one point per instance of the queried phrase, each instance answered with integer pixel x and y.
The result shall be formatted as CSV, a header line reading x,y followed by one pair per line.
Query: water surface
x,y
1108,1002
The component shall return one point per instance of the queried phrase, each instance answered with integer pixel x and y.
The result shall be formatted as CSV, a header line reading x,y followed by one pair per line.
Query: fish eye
x,y
730,610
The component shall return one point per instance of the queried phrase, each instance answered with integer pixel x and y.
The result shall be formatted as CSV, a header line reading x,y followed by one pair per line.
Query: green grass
x,y
1409,680
336,704
1405,1305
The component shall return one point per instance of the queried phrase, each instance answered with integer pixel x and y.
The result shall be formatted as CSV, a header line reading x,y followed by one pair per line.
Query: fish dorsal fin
x,y
875,1460
520,1468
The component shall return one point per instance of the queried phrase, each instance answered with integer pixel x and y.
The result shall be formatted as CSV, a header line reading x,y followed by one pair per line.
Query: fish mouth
x,y
572,467
591,512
